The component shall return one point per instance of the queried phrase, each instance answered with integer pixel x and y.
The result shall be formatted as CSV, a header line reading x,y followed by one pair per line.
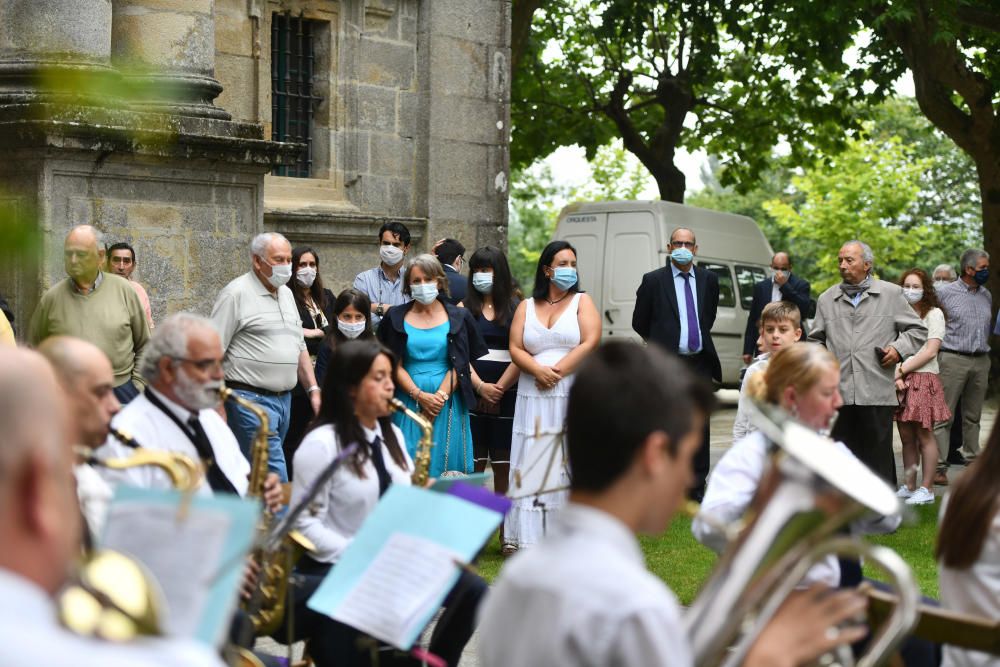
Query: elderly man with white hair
x,y
869,327
97,307
265,352
182,366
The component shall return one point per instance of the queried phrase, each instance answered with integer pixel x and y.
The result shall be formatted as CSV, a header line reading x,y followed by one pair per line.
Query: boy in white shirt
x,y
780,325
583,595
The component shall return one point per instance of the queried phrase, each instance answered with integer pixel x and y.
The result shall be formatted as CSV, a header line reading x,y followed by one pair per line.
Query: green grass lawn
x,y
683,563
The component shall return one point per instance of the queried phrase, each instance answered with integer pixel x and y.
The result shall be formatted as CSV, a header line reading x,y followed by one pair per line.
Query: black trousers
x,y
701,365
867,431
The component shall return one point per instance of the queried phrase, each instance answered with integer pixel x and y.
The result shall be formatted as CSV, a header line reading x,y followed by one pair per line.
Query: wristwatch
x,y
380,310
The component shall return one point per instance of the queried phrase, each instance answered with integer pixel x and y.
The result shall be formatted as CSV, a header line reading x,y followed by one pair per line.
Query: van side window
x,y
727,295
746,278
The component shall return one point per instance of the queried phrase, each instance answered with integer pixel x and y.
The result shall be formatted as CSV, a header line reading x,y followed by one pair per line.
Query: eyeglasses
x,y
123,261
684,244
203,365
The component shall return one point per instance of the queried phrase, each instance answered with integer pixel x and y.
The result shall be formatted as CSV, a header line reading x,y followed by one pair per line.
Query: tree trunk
x,y
670,180
522,13
988,170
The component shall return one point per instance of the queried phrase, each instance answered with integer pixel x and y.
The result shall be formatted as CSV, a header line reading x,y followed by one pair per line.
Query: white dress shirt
x,y
680,291
31,635
744,409
152,429
973,591
95,495
336,513
581,597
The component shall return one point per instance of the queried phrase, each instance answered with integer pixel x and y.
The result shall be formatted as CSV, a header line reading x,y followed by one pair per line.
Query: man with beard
x,y
183,369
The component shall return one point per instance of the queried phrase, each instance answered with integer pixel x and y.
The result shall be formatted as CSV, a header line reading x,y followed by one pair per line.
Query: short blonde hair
x,y
430,267
799,365
780,311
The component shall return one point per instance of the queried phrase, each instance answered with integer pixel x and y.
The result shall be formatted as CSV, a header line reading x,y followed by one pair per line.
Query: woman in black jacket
x,y
436,342
315,304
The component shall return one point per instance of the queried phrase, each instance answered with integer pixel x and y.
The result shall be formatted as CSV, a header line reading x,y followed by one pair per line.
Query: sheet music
x,y
182,555
401,587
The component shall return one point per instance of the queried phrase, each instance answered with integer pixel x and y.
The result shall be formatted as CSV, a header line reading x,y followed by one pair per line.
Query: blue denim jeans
x,y
244,425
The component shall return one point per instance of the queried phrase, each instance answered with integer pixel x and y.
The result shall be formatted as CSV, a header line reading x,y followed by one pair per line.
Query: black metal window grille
x,y
292,97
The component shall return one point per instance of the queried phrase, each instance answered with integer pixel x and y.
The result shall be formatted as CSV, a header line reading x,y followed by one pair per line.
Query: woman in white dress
x,y
550,335
968,549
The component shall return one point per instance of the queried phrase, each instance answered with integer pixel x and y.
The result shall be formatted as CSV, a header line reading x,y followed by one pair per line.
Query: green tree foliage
x,y
865,192
733,78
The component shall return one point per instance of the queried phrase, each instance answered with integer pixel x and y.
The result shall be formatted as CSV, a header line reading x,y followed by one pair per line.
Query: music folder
x,y
393,577
195,547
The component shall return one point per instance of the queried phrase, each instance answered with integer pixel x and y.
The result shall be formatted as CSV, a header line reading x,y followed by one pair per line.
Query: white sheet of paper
x,y
182,555
399,588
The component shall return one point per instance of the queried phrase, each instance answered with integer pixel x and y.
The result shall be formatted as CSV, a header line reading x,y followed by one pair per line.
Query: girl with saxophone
x,y
355,410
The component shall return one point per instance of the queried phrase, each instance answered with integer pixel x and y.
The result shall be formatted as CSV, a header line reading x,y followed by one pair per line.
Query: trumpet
x,y
811,490
422,458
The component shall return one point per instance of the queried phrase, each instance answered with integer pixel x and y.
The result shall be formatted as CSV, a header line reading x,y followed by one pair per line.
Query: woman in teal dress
x,y
436,342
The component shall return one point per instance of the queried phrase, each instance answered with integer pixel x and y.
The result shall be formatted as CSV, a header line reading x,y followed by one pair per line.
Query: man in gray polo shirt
x,y
265,351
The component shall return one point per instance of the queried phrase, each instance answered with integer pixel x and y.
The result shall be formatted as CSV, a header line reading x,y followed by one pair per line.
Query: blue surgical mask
x,y
483,282
982,276
424,293
564,277
682,256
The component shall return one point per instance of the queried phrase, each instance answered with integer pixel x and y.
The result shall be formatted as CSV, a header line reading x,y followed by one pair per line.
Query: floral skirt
x,y
922,400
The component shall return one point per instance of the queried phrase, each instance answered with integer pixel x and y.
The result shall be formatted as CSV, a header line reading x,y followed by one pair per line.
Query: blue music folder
x,y
393,577
194,546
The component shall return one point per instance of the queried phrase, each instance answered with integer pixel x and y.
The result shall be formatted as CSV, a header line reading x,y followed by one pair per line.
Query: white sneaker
x,y
920,497
903,492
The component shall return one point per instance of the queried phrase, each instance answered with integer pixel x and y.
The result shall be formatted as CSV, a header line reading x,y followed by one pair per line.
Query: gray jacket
x,y
882,318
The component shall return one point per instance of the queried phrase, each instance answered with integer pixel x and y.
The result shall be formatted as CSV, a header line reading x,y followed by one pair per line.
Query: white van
x,y
619,241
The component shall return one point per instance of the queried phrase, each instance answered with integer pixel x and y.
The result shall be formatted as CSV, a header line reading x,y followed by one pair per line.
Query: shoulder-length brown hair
x,y
929,300
972,506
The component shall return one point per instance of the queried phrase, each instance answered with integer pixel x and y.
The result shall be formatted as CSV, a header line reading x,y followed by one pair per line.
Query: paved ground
x,y
721,439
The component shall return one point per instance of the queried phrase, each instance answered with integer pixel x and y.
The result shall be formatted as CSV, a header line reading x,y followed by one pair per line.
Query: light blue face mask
x,y
682,256
424,293
564,277
483,282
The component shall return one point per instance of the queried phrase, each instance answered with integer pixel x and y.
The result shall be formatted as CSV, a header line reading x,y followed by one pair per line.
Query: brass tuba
x,y
422,458
811,490
266,608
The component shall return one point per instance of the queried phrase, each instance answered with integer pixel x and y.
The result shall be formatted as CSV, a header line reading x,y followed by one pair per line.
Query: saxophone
x,y
267,607
185,474
422,459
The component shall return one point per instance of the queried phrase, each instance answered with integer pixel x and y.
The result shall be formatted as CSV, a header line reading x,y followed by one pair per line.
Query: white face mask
x,y
913,294
483,282
424,293
938,284
280,274
351,329
306,277
390,254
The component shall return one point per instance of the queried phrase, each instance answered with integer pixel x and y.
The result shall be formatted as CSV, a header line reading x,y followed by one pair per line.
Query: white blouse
x,y
973,591
337,512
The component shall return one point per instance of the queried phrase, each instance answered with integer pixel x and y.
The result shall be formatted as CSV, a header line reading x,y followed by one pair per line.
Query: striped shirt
x,y
380,289
968,311
261,333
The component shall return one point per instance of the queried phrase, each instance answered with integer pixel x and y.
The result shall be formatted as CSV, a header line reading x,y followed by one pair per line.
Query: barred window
x,y
292,96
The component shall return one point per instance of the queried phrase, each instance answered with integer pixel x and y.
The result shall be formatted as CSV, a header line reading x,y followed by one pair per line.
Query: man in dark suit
x,y
450,253
675,307
784,286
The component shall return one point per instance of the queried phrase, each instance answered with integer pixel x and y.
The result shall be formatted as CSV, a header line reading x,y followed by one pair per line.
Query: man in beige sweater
x,y
97,307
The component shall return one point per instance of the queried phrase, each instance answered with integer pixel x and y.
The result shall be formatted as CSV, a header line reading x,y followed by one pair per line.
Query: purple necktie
x,y
694,336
